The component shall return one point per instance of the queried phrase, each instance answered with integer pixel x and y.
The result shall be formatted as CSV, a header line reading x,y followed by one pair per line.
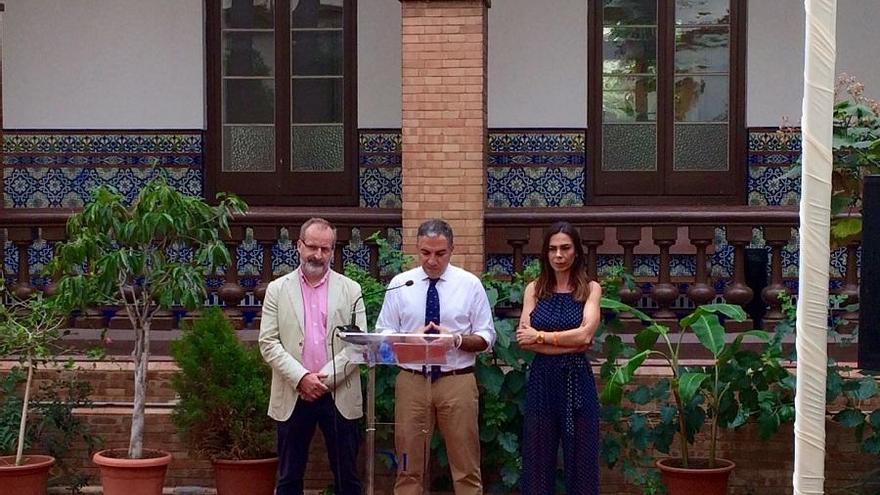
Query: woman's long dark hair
x,y
579,281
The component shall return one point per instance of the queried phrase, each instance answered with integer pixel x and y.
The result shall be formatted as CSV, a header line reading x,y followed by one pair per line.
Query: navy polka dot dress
x,y
561,407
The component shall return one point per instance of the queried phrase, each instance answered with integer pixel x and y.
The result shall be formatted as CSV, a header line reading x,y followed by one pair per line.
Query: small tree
x,y
120,254
29,329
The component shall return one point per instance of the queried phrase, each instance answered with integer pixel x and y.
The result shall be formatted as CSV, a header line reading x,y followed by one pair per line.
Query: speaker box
x,y
869,281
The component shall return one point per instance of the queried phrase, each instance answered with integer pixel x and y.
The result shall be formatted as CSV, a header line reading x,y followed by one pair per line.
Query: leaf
x,y
850,417
508,442
867,388
612,393
646,339
491,378
710,332
871,444
619,307
845,227
492,293
689,383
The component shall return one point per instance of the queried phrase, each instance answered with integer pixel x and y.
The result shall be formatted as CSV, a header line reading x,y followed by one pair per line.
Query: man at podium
x,y
442,299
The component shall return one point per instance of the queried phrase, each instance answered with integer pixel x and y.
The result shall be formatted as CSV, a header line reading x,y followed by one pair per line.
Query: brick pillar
x,y
444,45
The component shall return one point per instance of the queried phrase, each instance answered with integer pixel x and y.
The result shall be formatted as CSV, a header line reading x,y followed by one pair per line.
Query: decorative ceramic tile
x,y
529,141
371,142
10,259
66,142
44,187
249,256
771,154
380,187
535,186
768,186
763,140
502,264
532,168
61,169
379,157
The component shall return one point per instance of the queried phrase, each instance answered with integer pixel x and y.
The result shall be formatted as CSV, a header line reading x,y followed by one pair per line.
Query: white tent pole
x,y
815,229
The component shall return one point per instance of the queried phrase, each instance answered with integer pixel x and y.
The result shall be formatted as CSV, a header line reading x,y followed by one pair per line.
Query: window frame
x,y
283,187
663,186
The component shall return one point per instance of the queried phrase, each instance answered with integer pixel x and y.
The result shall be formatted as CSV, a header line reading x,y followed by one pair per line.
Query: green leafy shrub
x,y
224,392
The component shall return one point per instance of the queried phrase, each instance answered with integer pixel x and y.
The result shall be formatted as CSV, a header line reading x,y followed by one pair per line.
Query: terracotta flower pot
x,y
255,477
31,478
695,480
123,476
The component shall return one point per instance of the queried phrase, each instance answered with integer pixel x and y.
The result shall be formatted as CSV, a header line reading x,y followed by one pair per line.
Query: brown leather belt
x,y
463,371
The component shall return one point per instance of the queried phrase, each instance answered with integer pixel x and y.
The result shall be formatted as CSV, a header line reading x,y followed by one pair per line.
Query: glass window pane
x,y
248,14
317,148
248,54
702,49
248,101
629,99
629,147
248,148
701,147
701,99
702,12
629,12
317,53
629,50
317,101
316,13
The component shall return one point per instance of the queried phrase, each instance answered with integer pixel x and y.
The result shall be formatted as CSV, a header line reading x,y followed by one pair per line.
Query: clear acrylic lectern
x,y
379,349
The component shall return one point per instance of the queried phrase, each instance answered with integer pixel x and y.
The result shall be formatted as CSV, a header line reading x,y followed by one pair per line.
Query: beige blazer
x,y
281,343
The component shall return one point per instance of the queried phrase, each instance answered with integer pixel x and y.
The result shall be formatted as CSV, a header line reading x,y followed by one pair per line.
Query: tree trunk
x,y
141,357
22,427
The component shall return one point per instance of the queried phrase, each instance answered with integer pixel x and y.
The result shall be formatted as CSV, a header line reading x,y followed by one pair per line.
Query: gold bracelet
x,y
540,338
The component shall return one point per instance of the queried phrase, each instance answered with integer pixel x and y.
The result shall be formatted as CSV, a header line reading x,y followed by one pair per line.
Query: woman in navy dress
x,y
559,318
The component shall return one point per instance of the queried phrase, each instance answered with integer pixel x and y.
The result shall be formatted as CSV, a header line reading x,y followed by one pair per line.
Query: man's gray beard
x,y
314,269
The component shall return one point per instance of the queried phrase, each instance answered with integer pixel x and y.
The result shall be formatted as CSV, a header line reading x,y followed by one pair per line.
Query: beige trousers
x,y
452,403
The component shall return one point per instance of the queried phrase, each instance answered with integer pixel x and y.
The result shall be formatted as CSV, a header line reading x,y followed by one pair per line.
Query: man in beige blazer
x,y
314,382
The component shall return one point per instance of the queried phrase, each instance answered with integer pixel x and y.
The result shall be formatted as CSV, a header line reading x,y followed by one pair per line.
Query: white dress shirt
x,y
464,309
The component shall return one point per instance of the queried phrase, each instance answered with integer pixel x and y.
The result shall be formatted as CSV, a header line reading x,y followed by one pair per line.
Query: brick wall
x,y
444,47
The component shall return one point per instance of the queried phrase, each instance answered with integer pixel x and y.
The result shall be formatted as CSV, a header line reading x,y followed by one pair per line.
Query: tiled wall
x,y
52,170
526,168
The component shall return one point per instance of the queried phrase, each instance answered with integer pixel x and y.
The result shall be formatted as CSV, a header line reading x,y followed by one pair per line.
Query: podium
x,y
382,349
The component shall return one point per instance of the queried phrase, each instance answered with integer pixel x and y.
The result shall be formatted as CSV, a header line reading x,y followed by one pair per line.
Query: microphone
x,y
352,326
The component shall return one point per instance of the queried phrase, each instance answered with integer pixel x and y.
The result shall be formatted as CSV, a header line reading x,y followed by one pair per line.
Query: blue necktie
x,y
432,313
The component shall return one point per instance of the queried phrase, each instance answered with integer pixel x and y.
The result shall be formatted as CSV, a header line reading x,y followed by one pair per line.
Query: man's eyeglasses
x,y
321,249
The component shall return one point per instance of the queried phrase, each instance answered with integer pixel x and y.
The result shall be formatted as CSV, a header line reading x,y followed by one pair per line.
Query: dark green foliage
x,y
224,392
53,428
741,383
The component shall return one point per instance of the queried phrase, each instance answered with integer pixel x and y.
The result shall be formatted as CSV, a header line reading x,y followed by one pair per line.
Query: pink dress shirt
x,y
314,354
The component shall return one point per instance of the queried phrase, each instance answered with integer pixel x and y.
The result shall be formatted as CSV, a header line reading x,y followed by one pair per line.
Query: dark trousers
x,y
342,436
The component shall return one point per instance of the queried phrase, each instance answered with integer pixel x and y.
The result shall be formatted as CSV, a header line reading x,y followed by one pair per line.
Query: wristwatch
x,y
540,338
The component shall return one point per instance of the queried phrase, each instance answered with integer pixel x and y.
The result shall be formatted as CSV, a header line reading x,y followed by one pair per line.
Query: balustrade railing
x,y
262,244
709,246
681,256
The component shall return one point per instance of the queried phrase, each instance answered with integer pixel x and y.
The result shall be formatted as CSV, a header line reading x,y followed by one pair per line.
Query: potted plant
x,y
119,254
738,383
29,329
223,390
